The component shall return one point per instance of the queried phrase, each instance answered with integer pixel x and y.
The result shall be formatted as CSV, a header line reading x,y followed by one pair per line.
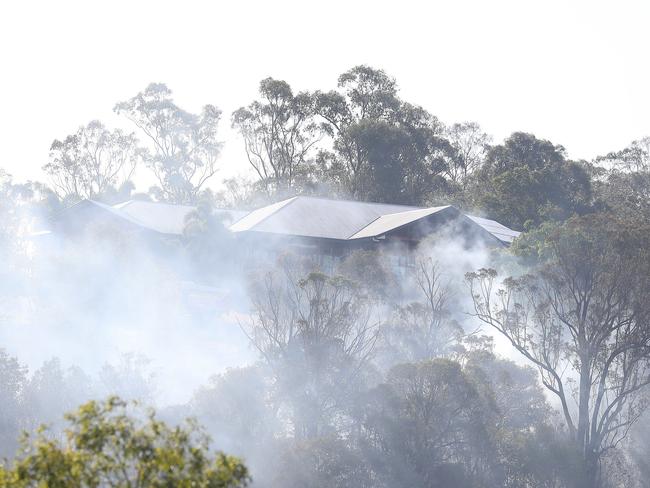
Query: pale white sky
x,y
574,72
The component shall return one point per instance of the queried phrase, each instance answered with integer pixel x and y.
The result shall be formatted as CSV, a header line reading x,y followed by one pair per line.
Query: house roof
x,y
347,220
164,217
160,217
389,222
298,216
498,230
315,217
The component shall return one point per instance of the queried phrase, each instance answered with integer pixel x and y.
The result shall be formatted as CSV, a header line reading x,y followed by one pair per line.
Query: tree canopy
x,y
106,445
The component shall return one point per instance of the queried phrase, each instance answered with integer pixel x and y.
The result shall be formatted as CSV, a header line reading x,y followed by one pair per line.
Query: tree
x,y
384,149
279,133
639,450
526,180
423,328
622,180
106,446
13,377
234,410
403,161
582,317
10,224
131,378
50,392
425,426
183,146
470,145
208,244
316,333
372,272
93,163
530,450
634,158
322,462
625,193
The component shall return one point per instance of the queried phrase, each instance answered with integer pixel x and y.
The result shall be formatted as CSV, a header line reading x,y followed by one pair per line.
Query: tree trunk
x,y
588,477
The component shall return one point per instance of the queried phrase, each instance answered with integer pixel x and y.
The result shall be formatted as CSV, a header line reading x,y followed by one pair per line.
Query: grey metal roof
x,y
159,217
165,218
316,217
297,216
498,230
345,220
389,222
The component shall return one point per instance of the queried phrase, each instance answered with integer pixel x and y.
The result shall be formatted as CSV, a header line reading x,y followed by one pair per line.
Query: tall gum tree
x,y
93,163
582,317
183,147
384,149
279,133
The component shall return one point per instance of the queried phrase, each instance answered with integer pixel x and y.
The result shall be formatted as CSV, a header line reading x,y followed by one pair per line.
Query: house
x,y
324,228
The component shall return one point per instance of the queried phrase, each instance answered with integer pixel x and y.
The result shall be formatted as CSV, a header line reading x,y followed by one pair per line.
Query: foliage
x,y
13,376
583,309
625,193
423,328
470,145
279,133
370,271
93,163
105,445
208,245
234,407
316,333
526,181
183,146
385,149
427,419
326,461
633,159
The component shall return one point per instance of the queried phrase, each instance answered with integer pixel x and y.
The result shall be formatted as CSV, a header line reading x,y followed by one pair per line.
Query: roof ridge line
x,y
291,200
395,213
363,227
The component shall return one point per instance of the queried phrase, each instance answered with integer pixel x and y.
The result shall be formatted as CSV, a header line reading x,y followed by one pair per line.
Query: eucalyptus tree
x,y
183,147
425,425
422,328
13,377
92,163
317,333
279,134
526,181
582,318
633,158
470,145
383,148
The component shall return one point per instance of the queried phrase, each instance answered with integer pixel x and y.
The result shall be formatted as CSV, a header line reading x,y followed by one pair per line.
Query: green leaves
x,y
279,133
116,444
526,181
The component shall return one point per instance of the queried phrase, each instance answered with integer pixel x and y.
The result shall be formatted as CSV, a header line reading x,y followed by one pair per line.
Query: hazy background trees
x,y
362,376
182,148
94,163
279,134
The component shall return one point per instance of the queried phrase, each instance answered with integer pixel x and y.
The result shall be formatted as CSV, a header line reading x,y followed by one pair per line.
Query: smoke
x,y
98,310
90,298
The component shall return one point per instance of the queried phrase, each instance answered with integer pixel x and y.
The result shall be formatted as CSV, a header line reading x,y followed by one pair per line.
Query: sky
x,y
573,72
